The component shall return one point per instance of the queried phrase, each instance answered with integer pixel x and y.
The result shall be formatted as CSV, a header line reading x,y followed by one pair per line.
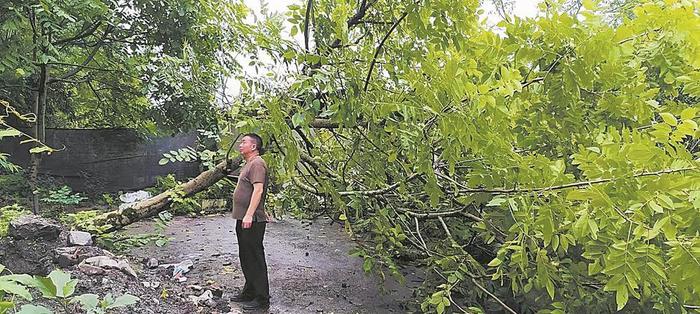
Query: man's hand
x,y
247,221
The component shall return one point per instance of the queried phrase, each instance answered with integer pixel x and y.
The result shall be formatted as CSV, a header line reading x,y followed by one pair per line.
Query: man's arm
x,y
254,201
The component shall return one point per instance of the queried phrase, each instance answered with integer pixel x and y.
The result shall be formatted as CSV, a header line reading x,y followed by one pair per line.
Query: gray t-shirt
x,y
253,171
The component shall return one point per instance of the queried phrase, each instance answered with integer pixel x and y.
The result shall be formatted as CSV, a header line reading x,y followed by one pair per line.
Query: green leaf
x,y
495,262
497,201
688,113
440,308
15,288
163,161
655,207
669,118
367,265
621,297
6,305
298,119
657,269
593,227
46,286
40,149
64,285
9,133
122,301
669,230
578,195
666,201
2,268
21,278
88,300
33,309
550,288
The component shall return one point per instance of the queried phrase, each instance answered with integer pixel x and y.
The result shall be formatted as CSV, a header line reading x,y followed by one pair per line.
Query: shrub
x,y
14,185
63,196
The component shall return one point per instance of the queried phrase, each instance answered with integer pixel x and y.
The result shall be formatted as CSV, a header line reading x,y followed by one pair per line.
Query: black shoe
x,y
242,298
256,305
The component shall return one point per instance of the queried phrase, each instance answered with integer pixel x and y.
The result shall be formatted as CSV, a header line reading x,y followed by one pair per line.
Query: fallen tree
x,y
120,218
117,219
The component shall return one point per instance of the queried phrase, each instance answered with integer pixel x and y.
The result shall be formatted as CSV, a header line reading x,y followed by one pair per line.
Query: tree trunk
x,y
38,132
118,219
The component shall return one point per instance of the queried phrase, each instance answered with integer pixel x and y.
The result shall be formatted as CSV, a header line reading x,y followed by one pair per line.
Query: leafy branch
x,y
568,185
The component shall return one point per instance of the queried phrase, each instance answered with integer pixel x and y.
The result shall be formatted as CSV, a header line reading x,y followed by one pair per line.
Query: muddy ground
x,y
310,270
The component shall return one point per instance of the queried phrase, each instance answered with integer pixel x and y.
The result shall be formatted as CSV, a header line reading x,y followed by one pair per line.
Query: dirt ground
x,y
310,270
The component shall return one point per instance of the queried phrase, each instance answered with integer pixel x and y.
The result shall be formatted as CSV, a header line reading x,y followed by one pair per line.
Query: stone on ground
x,y
79,238
33,227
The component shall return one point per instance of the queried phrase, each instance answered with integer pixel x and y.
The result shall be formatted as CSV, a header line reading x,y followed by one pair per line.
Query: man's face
x,y
247,145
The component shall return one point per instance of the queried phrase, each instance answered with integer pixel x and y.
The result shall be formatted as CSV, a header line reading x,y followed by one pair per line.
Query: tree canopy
x,y
548,164
148,64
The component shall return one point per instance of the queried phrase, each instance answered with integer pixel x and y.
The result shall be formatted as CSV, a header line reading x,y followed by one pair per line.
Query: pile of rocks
x,y
31,237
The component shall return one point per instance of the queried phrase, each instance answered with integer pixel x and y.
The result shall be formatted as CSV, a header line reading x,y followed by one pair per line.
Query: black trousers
x,y
252,255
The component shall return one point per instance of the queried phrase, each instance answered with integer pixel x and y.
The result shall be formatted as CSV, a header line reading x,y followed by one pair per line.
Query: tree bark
x,y
118,219
39,132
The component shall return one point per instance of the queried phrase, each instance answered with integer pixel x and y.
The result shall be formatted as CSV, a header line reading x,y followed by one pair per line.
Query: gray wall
x,y
105,160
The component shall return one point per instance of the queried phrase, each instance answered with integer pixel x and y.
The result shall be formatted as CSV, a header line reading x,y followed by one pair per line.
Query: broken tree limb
x,y
322,123
582,184
376,192
118,219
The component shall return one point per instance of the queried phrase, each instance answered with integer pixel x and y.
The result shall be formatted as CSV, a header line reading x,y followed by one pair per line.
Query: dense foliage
x,y
150,64
548,164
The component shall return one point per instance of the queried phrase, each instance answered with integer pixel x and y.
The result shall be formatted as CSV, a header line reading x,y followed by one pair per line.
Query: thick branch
x,y
379,48
87,32
117,219
309,6
86,61
494,297
385,190
569,185
83,66
450,213
355,19
322,123
310,160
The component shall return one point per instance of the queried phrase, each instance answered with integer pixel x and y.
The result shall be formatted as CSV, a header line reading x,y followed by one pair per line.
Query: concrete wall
x,y
107,160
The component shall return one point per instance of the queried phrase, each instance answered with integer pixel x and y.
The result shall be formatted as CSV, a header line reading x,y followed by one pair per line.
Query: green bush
x,y
83,220
9,213
14,185
63,196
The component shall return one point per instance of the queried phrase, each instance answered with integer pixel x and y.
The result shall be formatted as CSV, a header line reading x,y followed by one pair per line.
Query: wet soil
x,y
309,269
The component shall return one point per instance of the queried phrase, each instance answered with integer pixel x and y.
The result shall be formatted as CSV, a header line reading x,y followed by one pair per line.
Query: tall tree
x,y
153,65
551,165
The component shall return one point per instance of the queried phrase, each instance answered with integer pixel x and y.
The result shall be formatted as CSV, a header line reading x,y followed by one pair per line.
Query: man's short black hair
x,y
258,141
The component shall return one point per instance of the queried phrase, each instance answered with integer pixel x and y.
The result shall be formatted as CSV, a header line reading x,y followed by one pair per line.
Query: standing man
x,y
249,212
